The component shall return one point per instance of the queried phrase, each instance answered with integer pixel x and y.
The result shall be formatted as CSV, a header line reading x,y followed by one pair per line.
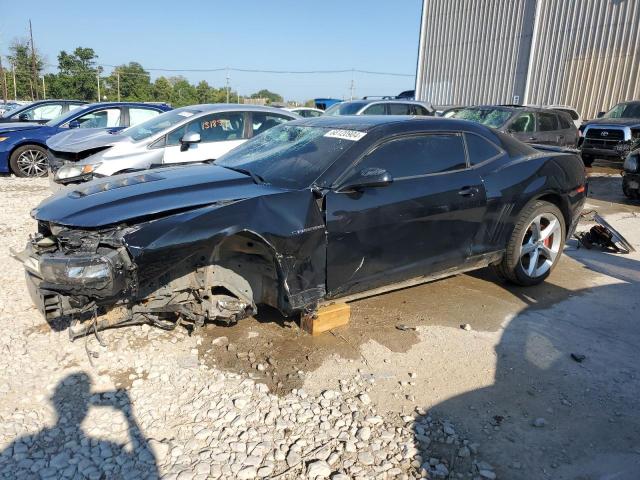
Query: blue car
x,y
23,150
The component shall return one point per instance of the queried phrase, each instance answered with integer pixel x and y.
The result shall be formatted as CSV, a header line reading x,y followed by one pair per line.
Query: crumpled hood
x,y
79,139
623,122
122,198
18,126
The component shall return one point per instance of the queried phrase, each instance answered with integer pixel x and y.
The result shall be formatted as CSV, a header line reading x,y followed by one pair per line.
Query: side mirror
x,y
74,124
600,114
23,117
367,178
188,139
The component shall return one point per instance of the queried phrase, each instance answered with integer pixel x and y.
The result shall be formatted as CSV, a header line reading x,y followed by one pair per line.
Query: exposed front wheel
x,y
535,245
29,161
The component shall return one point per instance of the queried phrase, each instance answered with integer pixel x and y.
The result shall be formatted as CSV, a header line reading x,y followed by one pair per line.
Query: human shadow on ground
x,y
65,450
590,427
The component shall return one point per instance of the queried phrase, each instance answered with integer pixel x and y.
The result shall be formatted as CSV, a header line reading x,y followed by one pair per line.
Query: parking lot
x,y
402,392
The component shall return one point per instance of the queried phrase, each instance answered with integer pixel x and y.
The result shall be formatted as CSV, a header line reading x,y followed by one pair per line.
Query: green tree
x,y
20,61
270,96
77,75
162,90
132,81
183,92
203,92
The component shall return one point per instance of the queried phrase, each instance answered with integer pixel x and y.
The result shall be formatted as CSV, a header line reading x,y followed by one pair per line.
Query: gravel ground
x,y
502,399
149,403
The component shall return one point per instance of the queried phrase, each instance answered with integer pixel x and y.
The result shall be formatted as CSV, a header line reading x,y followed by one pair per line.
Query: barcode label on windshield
x,y
352,135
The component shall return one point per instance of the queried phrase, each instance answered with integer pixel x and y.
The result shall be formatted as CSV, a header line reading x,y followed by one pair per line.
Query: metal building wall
x,y
474,51
585,53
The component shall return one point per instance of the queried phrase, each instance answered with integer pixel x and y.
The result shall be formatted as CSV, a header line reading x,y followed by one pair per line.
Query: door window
x,y
261,122
218,127
547,122
399,109
377,109
524,123
43,112
139,115
419,155
479,149
73,106
107,118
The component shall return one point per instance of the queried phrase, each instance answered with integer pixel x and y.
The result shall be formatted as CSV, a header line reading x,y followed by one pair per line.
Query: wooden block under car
x,y
326,318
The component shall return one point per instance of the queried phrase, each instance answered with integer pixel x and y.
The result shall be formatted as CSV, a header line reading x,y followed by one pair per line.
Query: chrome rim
x,y
540,245
32,163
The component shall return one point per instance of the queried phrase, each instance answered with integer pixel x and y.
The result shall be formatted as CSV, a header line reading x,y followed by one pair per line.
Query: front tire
x,y
535,245
29,161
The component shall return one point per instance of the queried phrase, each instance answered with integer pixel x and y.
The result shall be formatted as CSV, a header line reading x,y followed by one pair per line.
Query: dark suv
x,y
613,134
528,124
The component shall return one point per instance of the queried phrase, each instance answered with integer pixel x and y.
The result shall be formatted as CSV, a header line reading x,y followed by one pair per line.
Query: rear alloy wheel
x,y
535,245
29,161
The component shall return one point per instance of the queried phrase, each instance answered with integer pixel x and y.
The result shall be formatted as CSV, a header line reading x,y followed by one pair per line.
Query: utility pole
x,y
3,78
15,88
33,61
98,77
352,87
44,89
227,85
118,76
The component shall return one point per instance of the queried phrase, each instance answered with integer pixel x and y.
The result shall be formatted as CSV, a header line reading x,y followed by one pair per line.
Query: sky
x,y
292,35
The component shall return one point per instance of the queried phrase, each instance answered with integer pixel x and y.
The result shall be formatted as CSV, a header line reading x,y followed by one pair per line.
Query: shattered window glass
x,y
288,156
492,117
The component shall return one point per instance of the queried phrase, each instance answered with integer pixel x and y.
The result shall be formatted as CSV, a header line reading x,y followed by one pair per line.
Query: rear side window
x,y
419,110
139,115
399,109
479,149
419,155
564,122
377,109
547,122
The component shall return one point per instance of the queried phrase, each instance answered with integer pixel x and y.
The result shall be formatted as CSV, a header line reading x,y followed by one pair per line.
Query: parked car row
x,y
23,149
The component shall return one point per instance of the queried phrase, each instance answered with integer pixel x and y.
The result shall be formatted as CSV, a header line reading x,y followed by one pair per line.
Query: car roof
x,y
365,123
233,107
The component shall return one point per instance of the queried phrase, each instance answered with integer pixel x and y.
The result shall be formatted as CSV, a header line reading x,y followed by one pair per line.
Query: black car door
x,y
424,221
548,130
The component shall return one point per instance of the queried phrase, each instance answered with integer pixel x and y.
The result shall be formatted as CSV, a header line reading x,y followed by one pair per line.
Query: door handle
x,y
468,191
533,138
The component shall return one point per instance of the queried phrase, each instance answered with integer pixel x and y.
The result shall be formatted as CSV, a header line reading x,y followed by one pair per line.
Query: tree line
x,y
80,77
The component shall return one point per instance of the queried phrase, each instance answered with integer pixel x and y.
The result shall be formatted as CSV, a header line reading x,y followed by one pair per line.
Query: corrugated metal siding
x,y
469,51
584,53
587,54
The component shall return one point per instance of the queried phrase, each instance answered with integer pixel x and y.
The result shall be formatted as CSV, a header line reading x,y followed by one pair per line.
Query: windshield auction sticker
x,y
352,135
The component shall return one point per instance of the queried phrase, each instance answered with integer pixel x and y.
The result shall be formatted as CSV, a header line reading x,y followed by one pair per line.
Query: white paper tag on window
x,y
185,114
352,135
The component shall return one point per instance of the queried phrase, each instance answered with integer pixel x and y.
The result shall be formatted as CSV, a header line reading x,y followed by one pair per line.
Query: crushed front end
x,y
74,272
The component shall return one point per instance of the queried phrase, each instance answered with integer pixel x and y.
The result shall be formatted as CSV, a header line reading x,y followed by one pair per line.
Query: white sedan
x,y
190,134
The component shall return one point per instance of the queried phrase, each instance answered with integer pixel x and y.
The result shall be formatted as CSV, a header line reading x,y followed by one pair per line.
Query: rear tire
x,y
29,161
587,160
633,194
535,245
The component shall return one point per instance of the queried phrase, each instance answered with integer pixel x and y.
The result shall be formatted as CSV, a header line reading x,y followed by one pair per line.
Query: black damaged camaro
x,y
307,212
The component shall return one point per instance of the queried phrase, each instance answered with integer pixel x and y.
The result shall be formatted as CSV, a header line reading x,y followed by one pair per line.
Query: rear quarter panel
x,y
512,183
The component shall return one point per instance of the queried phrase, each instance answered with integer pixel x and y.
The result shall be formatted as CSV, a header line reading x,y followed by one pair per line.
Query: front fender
x,y
290,223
